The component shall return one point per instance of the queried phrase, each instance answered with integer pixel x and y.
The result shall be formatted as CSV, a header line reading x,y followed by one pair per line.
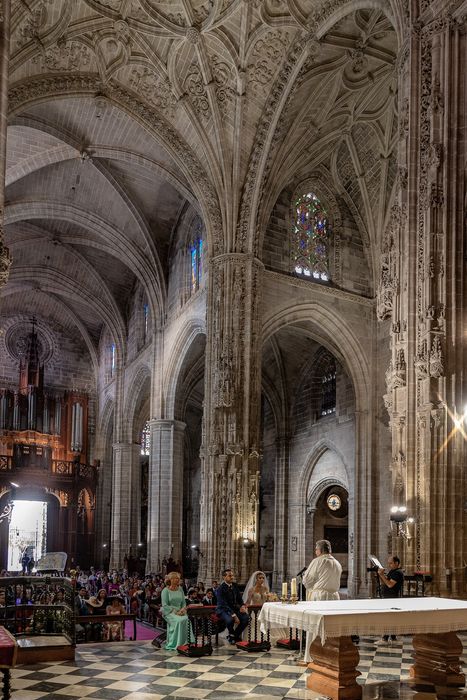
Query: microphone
x,y
302,571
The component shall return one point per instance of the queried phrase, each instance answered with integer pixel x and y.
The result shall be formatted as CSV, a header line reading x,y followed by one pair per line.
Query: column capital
x,y
155,423
236,257
123,446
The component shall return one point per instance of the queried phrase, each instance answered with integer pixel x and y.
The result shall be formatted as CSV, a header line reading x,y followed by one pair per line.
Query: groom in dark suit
x,y
230,607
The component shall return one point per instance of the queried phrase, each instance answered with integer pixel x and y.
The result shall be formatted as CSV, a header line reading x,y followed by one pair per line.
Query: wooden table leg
x,y
334,669
6,684
437,661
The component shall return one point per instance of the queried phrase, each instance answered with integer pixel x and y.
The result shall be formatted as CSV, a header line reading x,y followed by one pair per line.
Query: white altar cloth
x,y
337,618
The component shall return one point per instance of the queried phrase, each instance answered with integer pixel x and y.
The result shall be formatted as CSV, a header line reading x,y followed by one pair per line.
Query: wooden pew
x,y
87,620
8,654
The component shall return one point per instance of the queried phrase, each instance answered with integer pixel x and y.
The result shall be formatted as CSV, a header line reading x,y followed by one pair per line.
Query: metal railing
x,y
37,606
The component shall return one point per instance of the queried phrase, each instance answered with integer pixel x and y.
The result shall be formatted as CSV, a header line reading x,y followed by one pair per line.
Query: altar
x,y
333,656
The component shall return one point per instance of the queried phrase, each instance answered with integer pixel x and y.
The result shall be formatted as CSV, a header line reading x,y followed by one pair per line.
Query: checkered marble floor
x,y
138,671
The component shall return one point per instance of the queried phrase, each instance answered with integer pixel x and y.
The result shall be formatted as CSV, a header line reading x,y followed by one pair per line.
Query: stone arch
x,y
275,400
138,395
104,487
254,201
318,489
54,282
29,92
328,327
337,12
309,497
181,353
318,450
350,351
101,235
106,419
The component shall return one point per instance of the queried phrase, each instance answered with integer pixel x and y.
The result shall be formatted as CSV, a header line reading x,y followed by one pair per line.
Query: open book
x,y
375,561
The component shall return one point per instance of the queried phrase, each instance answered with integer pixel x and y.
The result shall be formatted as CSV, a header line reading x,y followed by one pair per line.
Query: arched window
x,y
310,238
328,390
112,360
145,322
146,440
196,256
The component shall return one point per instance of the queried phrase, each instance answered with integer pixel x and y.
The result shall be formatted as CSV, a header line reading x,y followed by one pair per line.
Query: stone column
x,y
281,534
230,454
125,502
5,10
165,492
361,517
427,299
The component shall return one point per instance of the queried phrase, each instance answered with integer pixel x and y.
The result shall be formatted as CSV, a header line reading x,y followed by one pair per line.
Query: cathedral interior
x,y
233,283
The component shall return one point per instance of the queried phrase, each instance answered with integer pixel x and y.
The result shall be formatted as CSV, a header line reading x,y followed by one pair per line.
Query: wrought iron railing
x,y
6,463
38,605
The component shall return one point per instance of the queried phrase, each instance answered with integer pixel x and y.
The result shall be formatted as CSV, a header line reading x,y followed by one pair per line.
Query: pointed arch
x,y
183,349
138,395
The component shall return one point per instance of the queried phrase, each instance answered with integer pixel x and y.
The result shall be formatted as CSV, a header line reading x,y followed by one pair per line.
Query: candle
x,y
284,589
293,587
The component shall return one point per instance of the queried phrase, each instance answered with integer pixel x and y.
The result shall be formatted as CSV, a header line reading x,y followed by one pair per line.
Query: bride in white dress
x,y
256,590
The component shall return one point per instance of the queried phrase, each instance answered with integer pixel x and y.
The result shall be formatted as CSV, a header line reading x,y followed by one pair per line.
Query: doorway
x,y
331,522
27,535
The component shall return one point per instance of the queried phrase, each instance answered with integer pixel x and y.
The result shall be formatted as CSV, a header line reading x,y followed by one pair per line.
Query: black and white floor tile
x,y
138,671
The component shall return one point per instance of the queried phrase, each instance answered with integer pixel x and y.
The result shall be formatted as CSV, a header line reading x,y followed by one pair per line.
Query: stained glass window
x,y
146,440
145,321
328,390
113,359
310,238
196,256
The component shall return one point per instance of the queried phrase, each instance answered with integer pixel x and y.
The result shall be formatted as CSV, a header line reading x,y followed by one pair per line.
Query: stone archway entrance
x,y
329,520
33,528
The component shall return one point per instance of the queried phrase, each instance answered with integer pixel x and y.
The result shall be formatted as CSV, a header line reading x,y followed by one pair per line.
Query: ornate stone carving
x,y
436,155
421,361
388,272
404,119
437,416
396,372
156,88
192,35
436,196
400,369
437,99
402,175
14,340
30,24
65,55
436,358
196,90
358,60
266,54
223,78
313,47
319,15
5,263
85,156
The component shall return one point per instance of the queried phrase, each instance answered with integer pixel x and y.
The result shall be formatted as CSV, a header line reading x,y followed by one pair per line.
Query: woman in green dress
x,y
174,612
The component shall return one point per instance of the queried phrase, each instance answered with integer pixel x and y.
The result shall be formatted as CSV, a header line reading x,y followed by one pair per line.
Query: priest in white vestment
x,y
322,579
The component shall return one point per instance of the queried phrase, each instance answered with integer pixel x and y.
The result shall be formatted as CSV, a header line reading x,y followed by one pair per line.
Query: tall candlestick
x,y
284,589
293,587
